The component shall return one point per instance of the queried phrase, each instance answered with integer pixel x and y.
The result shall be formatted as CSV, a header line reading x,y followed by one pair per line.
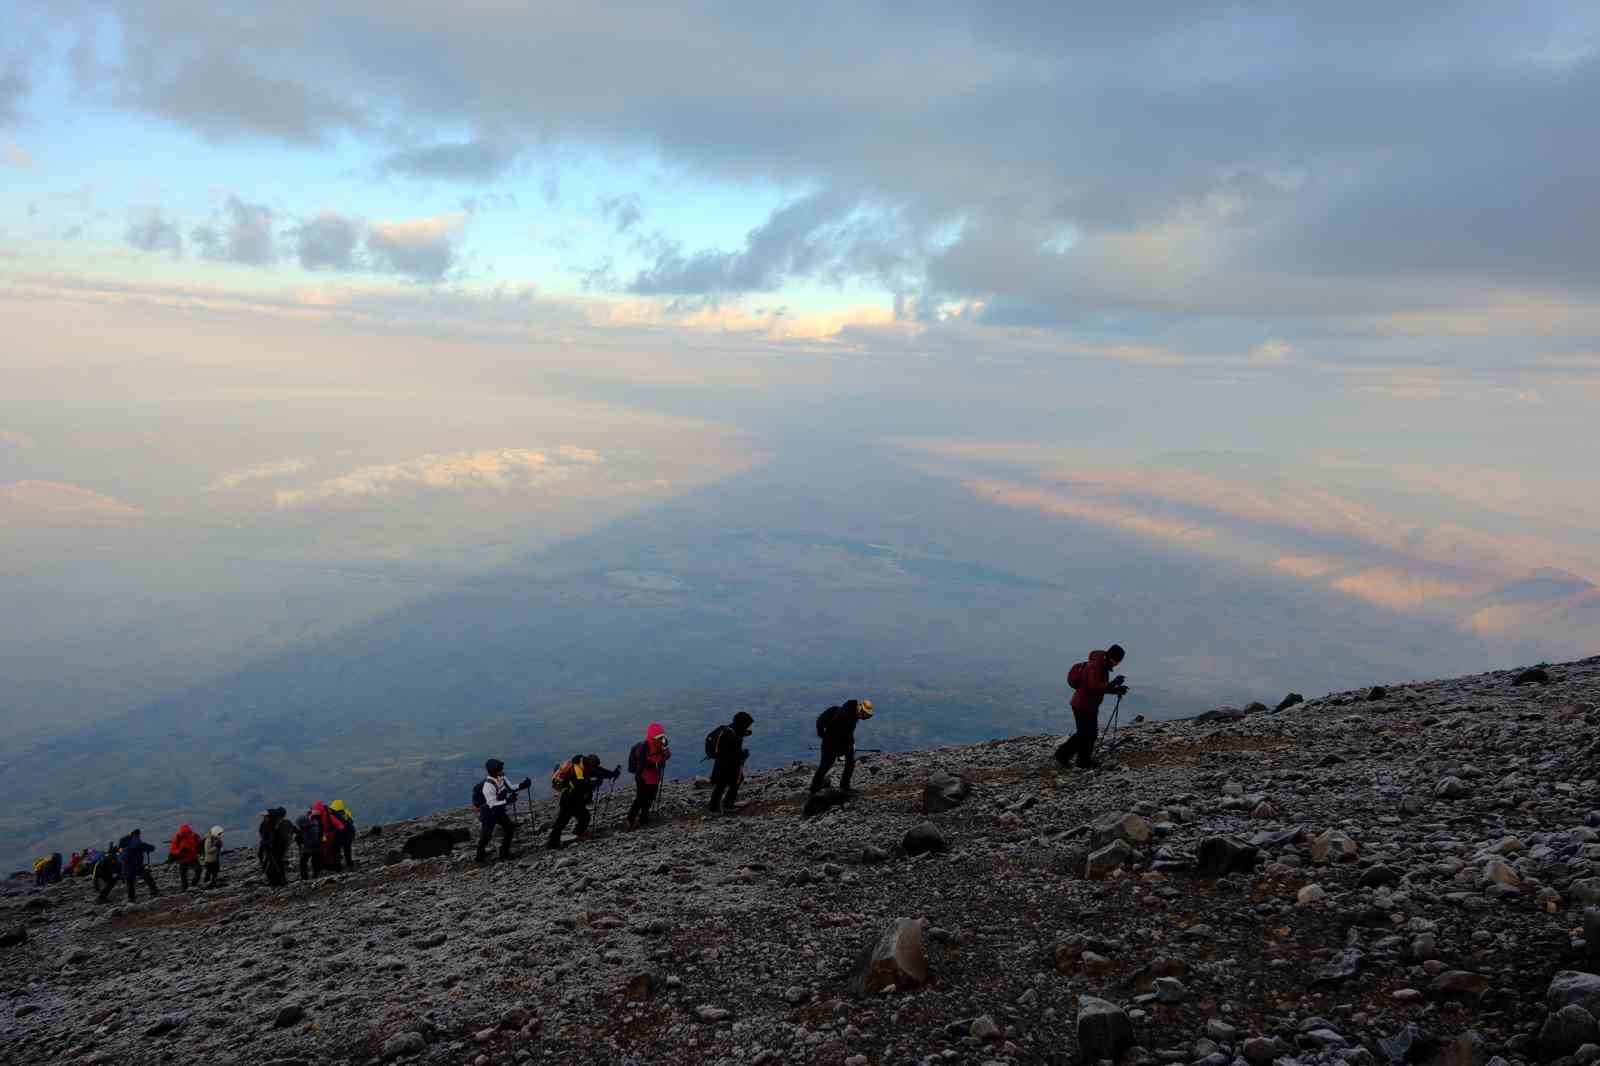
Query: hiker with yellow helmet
x,y
836,727
347,832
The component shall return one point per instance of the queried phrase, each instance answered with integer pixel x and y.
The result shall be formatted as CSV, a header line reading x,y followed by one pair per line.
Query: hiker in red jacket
x,y
185,851
1093,684
648,761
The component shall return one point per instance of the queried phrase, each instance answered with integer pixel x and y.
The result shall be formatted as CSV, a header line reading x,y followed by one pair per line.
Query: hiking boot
x,y
585,836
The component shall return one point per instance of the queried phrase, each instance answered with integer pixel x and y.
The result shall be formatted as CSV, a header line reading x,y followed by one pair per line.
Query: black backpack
x,y
714,741
477,796
824,720
637,756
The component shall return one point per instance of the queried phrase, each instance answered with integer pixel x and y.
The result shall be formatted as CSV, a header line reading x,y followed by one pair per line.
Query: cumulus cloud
x,y
59,502
261,471
475,161
500,469
327,241
239,233
624,212
422,248
152,231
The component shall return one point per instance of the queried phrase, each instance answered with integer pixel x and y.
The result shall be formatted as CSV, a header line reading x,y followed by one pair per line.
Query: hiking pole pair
x,y
1111,724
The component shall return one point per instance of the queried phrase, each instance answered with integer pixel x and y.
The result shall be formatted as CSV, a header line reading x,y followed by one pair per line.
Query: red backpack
x,y
1078,674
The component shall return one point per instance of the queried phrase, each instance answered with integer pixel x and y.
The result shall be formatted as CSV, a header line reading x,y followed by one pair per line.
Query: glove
x,y
527,782
1117,682
1118,690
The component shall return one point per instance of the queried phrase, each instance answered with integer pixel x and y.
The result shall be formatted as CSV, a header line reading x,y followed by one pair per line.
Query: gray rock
x,y
1109,858
1170,990
13,937
1129,828
1576,988
1585,890
944,792
1260,1050
1341,967
823,800
1460,984
402,1044
896,958
1566,1030
1450,788
984,1028
1221,1031
1104,1030
167,1023
288,1015
924,838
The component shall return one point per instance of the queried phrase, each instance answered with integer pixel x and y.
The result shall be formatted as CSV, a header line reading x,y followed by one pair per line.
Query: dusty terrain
x,y
1366,877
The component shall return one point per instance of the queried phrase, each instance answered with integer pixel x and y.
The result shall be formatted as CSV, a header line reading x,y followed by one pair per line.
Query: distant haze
x,y
402,388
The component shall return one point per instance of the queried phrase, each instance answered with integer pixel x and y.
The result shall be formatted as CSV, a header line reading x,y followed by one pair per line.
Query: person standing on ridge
x,y
576,781
647,761
836,727
495,791
107,872
213,852
725,747
1091,682
134,849
185,851
347,832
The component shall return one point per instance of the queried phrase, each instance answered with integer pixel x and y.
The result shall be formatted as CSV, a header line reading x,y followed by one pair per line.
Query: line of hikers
x,y
324,836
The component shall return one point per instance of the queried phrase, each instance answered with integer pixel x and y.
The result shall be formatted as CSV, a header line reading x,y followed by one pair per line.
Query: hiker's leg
x,y
486,823
150,881
824,764
717,789
731,799
133,881
583,819
563,816
507,831
849,769
646,800
1088,731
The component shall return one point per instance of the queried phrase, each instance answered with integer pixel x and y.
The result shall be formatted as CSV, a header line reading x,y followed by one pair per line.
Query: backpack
x,y
561,778
714,741
1078,674
824,720
478,800
637,756
311,833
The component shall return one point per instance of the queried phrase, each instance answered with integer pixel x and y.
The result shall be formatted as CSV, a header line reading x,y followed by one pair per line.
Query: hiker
x,y
647,761
1091,681
725,747
328,826
836,727
213,854
107,872
576,781
347,832
40,865
185,851
276,833
134,849
490,798
308,843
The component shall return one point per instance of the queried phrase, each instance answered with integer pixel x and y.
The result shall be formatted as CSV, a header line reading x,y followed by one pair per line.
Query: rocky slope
x,y
1369,877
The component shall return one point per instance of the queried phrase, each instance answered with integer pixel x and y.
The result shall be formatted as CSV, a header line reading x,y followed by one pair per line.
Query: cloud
x,y
475,161
623,211
17,439
15,156
240,233
327,241
234,478
58,502
421,248
154,232
500,469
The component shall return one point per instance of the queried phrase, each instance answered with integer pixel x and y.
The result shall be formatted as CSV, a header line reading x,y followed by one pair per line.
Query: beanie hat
x,y
494,766
1115,653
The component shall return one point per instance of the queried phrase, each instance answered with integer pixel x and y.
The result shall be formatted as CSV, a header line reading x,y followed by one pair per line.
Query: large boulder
x,y
1333,846
433,843
1129,828
1288,701
1221,855
1108,859
12,937
1220,714
1534,675
1104,1031
823,800
1566,1030
924,838
944,792
896,958
1576,988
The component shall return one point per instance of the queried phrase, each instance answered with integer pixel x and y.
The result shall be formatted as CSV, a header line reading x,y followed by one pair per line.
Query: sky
x,y
399,292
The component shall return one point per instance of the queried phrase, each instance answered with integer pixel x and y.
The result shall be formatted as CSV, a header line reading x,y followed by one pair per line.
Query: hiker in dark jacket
x,y
727,767
107,872
497,791
277,833
1097,683
308,842
836,727
576,781
134,849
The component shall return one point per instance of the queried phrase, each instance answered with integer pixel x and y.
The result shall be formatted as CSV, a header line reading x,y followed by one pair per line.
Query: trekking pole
x,y
1111,726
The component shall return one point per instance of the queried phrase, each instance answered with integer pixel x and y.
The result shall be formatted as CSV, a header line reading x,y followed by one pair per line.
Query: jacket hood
x,y
317,807
1098,657
742,722
339,806
184,830
216,831
655,731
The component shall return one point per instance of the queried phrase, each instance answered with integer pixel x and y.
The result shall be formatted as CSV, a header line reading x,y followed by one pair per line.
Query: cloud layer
x,y
500,469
